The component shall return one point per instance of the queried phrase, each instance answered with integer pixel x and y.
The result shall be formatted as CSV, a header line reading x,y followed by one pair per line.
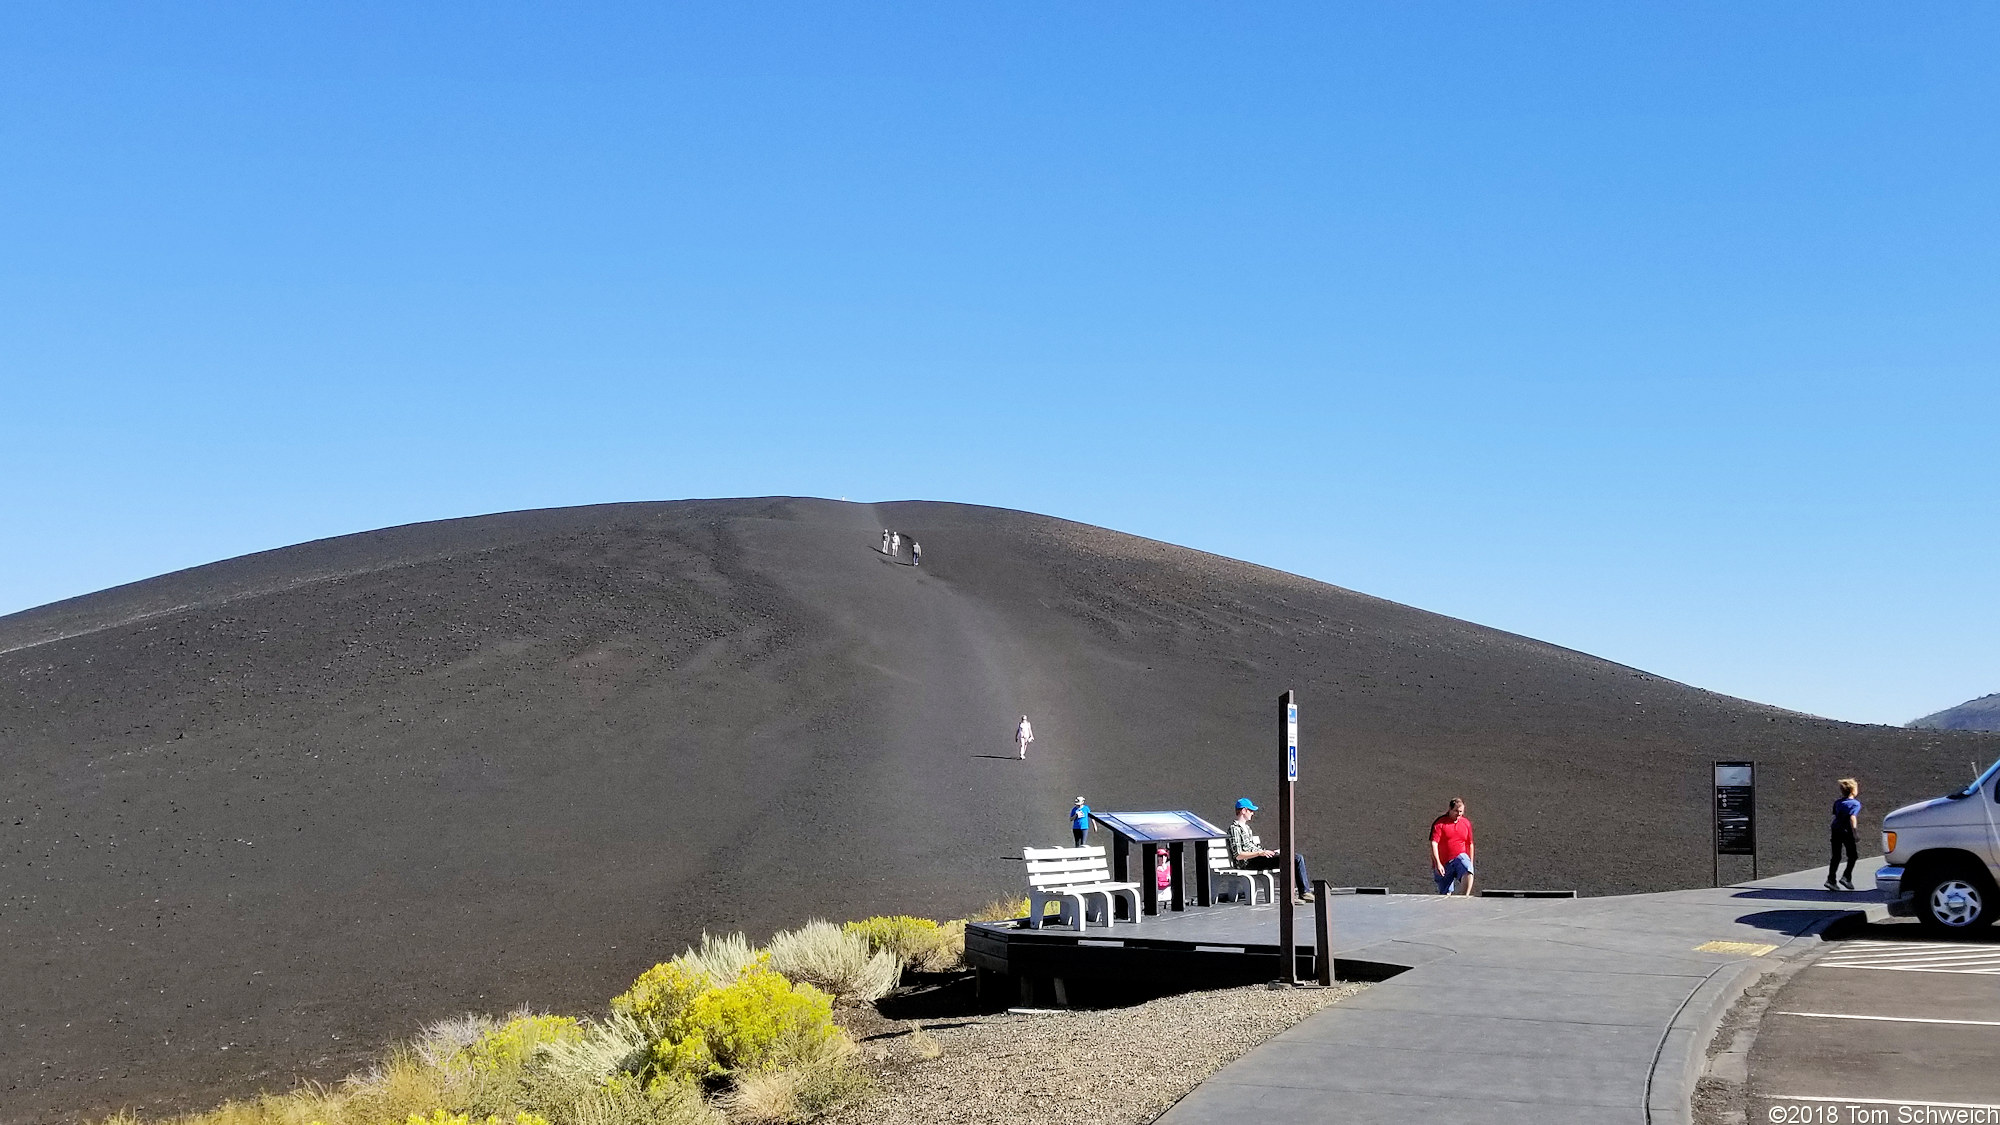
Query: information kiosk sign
x,y
1735,812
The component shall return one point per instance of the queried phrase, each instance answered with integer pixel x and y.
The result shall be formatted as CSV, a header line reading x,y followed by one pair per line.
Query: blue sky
x,y
1667,333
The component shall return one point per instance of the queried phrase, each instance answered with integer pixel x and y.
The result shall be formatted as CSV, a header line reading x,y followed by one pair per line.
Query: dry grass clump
x,y
922,1044
1008,909
836,961
813,1081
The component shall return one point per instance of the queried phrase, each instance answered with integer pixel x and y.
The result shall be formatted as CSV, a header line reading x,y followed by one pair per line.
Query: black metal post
x,y
1322,932
1177,884
1288,945
1149,880
1203,883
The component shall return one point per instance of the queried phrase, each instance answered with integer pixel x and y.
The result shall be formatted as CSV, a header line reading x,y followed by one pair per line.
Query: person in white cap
x,y
1023,735
1079,821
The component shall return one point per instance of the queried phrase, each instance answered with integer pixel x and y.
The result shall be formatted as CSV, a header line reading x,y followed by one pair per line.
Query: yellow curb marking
x,y
1746,948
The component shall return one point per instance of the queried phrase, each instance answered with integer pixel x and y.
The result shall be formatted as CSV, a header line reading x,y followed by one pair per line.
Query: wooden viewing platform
x,y
1197,947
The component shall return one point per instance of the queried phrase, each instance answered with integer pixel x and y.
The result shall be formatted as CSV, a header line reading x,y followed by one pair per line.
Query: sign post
x,y
1734,815
1288,777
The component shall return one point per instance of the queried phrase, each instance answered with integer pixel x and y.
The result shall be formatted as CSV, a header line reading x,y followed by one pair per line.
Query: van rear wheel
x,y
1955,900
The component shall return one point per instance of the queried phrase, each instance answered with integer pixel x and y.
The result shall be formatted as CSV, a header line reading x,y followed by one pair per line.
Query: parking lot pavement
x,y
1888,1025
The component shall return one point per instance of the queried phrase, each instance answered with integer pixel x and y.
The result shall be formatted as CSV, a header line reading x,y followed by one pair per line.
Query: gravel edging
x,y
1111,1066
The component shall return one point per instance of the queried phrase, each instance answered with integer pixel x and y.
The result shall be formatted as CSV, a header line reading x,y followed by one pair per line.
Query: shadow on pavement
x,y
1792,922
1813,894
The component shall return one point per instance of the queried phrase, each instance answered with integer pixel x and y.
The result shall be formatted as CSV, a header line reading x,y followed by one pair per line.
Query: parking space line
x,y
1934,951
1890,1019
1977,971
1864,960
1910,960
1921,946
1916,957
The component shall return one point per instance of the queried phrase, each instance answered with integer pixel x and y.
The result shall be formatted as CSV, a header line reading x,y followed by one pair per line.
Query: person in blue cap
x,y
1244,852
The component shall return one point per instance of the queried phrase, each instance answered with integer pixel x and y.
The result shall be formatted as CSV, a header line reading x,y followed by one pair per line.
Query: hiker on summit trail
x,y
1244,852
885,540
895,544
1023,735
916,553
1846,833
1451,848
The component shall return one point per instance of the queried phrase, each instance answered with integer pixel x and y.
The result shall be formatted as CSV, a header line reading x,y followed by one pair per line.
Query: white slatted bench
x,y
1223,872
1072,877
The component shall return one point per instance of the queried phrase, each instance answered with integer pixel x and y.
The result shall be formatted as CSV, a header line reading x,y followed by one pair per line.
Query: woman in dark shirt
x,y
1846,833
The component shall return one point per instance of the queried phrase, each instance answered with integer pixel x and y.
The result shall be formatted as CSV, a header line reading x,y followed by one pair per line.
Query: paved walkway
x,y
1569,1010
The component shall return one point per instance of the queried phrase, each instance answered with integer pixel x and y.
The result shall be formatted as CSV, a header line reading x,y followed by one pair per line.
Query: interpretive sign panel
x,y
1160,827
1735,808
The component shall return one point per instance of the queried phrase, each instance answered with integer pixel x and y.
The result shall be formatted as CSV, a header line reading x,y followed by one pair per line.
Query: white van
x,y
1943,858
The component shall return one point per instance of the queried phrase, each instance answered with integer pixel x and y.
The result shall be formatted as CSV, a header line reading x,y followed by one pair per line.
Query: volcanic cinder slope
x,y
263,815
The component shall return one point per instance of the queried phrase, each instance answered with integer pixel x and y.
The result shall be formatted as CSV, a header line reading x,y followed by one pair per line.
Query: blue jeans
x,y
1459,867
1304,885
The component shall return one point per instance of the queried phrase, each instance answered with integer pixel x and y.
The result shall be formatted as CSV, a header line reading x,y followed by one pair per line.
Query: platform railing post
x,y
1322,932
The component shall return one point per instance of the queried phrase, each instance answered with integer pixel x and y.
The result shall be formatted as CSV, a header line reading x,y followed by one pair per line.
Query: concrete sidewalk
x,y
1568,1010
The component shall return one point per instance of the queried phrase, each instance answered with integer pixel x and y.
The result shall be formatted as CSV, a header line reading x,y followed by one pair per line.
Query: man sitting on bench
x,y
1244,852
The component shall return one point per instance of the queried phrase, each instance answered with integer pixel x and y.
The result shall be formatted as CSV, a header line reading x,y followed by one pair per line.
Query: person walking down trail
x,y
1451,848
885,540
1846,833
916,553
1023,735
895,544
1079,821
1244,852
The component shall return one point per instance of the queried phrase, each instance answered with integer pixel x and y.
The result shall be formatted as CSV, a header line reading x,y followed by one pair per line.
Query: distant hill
x,y
1976,714
263,814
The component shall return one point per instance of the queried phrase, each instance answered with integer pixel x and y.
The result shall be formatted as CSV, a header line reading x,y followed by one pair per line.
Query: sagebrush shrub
x,y
510,1046
565,1070
662,993
919,943
447,1117
835,961
719,958
760,1021
439,1042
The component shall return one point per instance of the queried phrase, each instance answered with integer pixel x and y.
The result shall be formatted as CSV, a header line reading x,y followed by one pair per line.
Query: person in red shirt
x,y
1451,848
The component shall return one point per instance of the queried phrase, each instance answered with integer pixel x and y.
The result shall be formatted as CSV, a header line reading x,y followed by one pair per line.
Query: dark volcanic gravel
x,y
263,816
